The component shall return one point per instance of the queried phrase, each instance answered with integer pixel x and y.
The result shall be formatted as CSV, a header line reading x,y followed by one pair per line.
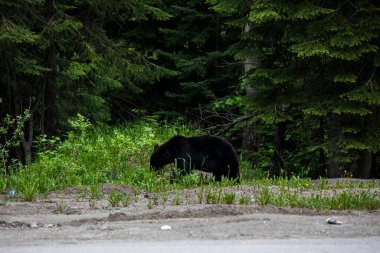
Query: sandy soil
x,y
68,216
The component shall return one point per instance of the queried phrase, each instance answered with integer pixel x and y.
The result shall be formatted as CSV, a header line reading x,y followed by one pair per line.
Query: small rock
x,y
33,225
166,227
333,221
49,225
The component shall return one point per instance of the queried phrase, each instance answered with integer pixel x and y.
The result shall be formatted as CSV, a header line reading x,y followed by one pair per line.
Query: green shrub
x,y
92,155
229,197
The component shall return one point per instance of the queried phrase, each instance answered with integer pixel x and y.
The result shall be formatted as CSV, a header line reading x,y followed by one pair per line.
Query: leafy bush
x,y
91,155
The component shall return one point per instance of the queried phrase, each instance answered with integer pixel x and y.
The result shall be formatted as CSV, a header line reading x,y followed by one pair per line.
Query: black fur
x,y
206,152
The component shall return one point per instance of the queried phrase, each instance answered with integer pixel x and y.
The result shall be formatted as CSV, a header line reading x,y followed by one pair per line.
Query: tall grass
x,y
91,155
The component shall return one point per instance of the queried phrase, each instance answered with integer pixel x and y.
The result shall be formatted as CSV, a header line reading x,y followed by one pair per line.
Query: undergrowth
x,y
89,156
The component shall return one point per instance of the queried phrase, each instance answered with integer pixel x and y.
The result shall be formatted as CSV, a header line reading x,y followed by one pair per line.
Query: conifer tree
x,y
58,59
319,66
192,43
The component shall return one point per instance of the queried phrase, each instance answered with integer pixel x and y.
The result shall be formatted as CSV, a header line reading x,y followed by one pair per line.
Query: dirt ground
x,y
69,216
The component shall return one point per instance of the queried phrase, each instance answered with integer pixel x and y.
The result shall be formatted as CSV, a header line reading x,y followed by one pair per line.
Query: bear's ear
x,y
155,147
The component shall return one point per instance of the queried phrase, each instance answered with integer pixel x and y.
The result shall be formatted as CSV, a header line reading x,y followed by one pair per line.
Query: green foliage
x,y
64,57
310,65
61,207
95,192
342,199
192,44
264,196
90,156
317,63
177,199
13,33
229,197
115,198
244,200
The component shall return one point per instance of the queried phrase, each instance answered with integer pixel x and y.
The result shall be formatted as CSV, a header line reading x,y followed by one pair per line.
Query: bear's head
x,y
160,157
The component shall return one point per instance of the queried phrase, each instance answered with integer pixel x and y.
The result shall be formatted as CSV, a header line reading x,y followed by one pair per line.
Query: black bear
x,y
206,152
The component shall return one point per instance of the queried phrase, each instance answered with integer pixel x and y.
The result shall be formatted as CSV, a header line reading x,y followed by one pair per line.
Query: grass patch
x,y
338,199
229,197
92,155
115,198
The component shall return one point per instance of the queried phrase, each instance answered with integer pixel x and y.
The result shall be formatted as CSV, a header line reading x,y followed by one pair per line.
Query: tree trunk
x,y
279,141
27,141
334,131
364,164
249,139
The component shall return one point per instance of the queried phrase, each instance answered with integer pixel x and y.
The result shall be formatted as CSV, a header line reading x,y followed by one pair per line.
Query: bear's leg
x,y
218,176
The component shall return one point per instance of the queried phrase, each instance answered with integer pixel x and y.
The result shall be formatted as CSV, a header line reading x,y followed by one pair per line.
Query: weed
x,y
136,195
165,198
177,199
264,196
213,196
229,182
155,199
126,200
91,203
150,204
191,180
188,198
61,207
28,191
324,184
96,192
200,194
293,199
114,198
77,197
244,200
372,184
83,193
229,198
210,197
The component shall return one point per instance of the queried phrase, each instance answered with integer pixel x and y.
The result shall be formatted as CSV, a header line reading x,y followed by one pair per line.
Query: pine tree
x,y
319,64
59,59
192,44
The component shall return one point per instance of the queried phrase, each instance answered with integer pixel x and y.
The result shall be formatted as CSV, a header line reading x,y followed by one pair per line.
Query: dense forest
x,y
294,85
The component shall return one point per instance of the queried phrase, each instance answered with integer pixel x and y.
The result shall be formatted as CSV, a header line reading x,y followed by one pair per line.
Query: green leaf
x,y
310,48
307,11
364,96
353,54
345,78
77,70
158,14
12,33
223,6
352,109
30,67
262,16
69,26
